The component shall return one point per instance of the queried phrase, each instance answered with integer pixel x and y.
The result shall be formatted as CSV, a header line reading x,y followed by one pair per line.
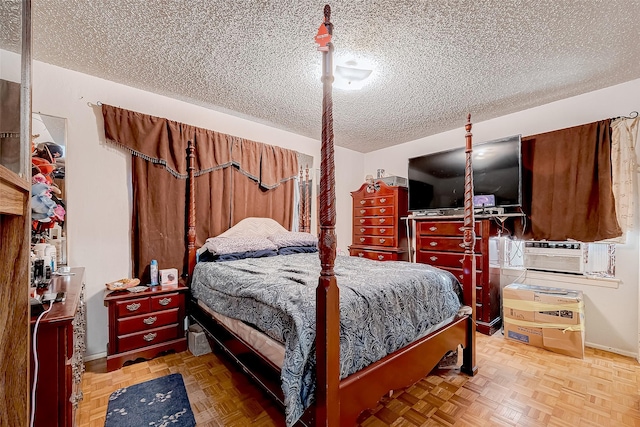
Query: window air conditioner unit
x,y
559,257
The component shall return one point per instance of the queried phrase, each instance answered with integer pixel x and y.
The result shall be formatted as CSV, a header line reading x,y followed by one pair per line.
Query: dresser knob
x,y
150,320
383,200
461,228
362,221
433,228
461,260
383,210
362,239
360,254
380,257
362,211
382,230
150,337
362,230
382,240
362,202
433,258
382,220
433,243
461,245
165,301
134,306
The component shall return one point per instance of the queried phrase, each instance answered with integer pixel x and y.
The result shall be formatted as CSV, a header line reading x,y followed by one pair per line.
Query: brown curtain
x,y
568,172
235,179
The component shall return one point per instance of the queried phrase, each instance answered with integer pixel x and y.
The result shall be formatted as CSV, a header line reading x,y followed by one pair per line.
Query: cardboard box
x,y
550,318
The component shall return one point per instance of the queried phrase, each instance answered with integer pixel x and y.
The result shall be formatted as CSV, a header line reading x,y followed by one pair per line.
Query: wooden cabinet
x,y
379,232
439,243
60,348
145,324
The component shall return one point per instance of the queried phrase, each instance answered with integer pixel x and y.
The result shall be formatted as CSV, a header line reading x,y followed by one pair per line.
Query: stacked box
x,y
550,318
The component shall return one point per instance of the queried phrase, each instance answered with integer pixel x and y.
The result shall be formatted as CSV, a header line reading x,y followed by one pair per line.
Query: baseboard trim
x,y
612,350
91,357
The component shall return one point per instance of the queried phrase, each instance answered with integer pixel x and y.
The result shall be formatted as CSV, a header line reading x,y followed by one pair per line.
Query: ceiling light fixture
x,y
350,76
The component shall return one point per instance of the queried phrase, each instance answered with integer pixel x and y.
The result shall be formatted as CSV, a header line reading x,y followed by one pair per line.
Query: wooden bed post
x,y
469,262
327,294
191,215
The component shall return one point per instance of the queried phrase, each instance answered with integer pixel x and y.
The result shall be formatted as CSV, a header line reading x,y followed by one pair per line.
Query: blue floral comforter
x,y
383,307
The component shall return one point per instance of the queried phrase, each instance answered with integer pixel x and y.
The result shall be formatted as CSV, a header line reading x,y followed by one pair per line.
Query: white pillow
x,y
231,245
254,227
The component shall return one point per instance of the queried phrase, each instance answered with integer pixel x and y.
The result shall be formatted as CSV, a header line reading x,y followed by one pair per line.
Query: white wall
x,y
98,174
611,314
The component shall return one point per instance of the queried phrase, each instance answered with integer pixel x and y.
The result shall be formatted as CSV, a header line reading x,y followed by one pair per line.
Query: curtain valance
x,y
164,142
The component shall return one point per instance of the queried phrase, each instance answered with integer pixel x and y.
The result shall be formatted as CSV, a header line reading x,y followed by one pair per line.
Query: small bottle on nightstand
x,y
153,271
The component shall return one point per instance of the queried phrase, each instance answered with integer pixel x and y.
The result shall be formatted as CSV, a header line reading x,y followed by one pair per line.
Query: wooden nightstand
x,y
145,324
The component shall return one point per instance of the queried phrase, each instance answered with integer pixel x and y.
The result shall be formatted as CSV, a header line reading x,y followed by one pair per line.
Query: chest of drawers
x,y
378,230
145,324
439,243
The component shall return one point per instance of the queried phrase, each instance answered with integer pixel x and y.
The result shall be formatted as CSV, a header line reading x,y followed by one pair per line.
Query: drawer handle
x,y
362,230
383,200
383,210
362,239
461,228
134,306
461,260
382,240
362,202
461,245
360,254
150,320
433,243
380,257
362,211
382,230
362,221
433,228
433,258
165,301
383,220
150,337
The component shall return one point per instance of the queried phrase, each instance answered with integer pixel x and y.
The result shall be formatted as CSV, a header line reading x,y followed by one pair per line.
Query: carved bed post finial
x,y
327,294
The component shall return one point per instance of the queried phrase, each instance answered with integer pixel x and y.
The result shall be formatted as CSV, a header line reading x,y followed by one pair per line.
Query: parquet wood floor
x,y
516,385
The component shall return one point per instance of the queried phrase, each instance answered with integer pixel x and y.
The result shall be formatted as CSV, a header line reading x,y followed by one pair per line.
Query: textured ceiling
x,y
433,61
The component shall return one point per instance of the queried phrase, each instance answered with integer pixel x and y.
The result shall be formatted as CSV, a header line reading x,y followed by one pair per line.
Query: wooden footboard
x,y
361,390
398,370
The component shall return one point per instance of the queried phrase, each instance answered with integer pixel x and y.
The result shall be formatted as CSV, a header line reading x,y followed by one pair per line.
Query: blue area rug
x,y
162,402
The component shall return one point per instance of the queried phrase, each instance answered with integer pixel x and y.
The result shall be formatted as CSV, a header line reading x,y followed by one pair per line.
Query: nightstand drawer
x,y
146,321
165,301
147,338
132,307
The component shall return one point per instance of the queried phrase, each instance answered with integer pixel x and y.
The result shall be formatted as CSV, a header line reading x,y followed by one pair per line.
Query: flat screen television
x,y
436,181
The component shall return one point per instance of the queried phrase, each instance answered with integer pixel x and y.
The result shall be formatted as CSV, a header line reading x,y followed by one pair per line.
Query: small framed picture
x,y
169,276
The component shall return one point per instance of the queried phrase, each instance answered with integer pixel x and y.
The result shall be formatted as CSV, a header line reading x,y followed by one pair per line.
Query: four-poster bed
x,y
339,398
